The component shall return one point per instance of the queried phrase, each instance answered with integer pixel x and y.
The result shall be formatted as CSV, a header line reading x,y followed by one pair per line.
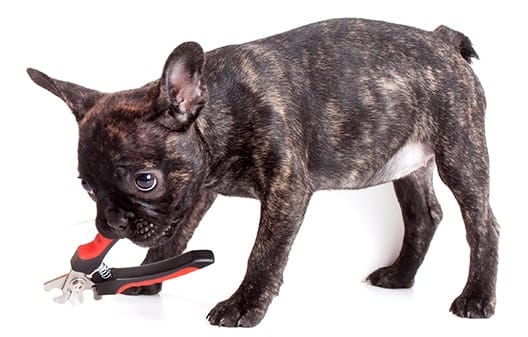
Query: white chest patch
x,y
408,159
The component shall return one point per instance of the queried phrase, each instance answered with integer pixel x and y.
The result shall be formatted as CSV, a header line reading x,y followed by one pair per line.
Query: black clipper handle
x,y
124,278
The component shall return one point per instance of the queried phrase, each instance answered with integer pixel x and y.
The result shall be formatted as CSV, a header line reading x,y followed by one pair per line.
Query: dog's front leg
x,y
282,212
178,243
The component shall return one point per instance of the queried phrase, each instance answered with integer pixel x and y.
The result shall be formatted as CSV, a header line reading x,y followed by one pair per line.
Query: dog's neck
x,y
221,131
214,140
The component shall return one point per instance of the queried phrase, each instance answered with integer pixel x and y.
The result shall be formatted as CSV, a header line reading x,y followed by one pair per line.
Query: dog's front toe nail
x,y
236,313
474,306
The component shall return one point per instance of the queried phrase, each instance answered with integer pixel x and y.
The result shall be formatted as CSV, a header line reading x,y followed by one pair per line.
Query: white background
x,y
346,235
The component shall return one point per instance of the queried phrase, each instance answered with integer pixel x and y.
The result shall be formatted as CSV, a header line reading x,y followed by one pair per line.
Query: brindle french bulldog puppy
x,y
339,104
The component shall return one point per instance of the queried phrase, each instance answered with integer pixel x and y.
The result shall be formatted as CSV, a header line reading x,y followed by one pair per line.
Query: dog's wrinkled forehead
x,y
117,133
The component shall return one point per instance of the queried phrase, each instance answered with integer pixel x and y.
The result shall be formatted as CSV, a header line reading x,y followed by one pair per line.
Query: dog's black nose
x,y
116,219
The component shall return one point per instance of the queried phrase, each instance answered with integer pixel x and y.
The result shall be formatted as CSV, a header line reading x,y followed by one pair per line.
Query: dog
x,y
338,104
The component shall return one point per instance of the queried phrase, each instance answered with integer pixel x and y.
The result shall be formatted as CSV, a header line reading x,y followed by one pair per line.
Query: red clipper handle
x,y
88,257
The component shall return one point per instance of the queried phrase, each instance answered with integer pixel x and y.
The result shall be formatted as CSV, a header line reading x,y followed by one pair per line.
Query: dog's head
x,y
140,158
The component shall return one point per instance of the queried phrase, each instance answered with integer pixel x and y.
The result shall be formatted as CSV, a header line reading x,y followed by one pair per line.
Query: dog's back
x,y
342,96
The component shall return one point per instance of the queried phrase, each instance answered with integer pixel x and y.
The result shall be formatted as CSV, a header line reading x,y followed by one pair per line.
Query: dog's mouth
x,y
148,234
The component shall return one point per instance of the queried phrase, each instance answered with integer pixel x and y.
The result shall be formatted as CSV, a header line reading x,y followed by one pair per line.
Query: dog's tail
x,y
459,40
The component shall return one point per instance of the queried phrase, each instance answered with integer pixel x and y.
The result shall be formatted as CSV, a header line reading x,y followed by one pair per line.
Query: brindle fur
x,y
323,106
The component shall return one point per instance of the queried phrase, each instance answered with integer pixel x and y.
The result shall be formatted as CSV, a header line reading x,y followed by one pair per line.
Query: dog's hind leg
x,y
179,242
462,160
421,214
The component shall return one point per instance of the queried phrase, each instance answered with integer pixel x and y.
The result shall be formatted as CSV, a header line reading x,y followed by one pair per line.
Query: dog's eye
x,y
88,189
86,186
145,182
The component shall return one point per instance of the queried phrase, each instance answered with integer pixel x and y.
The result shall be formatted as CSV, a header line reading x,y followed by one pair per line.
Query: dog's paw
x,y
235,312
143,290
390,277
475,306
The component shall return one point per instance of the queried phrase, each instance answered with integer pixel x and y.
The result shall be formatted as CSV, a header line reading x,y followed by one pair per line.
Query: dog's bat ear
x,y
182,89
78,98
